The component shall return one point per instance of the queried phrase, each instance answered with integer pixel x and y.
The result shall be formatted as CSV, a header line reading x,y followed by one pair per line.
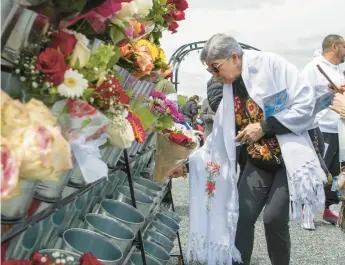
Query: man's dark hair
x,y
330,40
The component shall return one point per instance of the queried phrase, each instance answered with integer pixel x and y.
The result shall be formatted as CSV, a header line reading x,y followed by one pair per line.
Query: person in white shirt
x,y
332,55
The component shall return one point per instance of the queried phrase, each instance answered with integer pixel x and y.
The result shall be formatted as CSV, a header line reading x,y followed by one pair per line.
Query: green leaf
x,y
130,93
86,122
87,94
114,59
77,64
65,110
116,34
164,122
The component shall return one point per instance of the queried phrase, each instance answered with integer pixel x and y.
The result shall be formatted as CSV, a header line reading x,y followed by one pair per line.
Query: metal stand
x,y
181,259
130,182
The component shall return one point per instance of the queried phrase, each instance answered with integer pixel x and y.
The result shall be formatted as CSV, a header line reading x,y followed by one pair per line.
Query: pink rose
x,y
145,63
213,168
10,164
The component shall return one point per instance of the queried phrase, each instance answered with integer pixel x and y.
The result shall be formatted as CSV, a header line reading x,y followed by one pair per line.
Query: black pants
x,y
332,162
241,157
259,188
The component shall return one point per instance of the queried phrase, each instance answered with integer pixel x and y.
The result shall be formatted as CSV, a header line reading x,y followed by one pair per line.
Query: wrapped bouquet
x,y
174,145
32,145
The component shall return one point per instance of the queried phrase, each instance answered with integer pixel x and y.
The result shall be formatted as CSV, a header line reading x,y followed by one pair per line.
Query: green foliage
x,y
98,62
182,100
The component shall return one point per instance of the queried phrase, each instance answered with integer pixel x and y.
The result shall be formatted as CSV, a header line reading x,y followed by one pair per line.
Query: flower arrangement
x,y
174,146
166,15
143,58
181,135
33,146
156,112
56,258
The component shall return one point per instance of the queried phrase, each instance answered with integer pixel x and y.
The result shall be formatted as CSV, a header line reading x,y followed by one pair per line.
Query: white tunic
x,y
327,119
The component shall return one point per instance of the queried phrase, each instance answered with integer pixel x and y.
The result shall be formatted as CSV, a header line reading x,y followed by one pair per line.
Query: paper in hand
x,y
275,103
323,102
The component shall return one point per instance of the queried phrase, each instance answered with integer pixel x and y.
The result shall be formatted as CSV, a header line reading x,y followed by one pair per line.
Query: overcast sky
x,y
292,28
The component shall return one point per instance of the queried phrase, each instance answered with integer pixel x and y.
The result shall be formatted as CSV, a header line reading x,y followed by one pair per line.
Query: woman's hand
x,y
338,103
250,134
177,172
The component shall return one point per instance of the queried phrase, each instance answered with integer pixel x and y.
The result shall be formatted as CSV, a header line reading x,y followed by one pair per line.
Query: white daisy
x,y
73,85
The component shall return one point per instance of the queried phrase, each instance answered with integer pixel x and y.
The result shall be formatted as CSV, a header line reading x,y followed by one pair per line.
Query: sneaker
x,y
329,217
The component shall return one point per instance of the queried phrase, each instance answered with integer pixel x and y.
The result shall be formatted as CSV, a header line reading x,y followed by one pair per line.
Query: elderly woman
x,y
266,108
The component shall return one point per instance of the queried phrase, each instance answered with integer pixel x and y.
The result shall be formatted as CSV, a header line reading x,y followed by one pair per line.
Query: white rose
x,y
127,11
81,54
144,7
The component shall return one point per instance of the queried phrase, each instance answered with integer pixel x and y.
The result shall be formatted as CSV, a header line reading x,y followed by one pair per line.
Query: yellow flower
x,y
13,115
45,153
147,46
162,55
40,113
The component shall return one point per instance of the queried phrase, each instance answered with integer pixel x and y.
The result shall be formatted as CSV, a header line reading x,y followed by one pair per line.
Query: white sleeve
x,y
297,116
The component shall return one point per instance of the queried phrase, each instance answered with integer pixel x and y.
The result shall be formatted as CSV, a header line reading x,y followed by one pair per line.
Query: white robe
x,y
327,119
213,219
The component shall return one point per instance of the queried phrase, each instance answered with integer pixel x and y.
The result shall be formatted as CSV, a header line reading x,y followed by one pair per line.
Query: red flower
x,y
52,63
179,15
110,92
79,108
172,26
210,187
138,129
64,42
89,259
181,5
213,168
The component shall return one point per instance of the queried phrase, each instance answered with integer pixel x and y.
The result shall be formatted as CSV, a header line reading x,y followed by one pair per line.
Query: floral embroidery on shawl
x,y
212,169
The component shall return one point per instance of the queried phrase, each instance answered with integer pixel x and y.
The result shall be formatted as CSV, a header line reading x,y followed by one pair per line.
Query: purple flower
x,y
157,94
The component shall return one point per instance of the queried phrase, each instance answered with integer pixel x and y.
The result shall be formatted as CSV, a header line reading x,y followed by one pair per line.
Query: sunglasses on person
x,y
215,69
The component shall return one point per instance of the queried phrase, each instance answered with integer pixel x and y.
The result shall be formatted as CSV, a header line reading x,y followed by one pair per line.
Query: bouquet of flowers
x,y
144,59
166,15
56,258
32,145
157,110
174,145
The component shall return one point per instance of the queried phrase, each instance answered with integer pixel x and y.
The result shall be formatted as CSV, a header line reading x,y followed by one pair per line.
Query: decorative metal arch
x,y
178,56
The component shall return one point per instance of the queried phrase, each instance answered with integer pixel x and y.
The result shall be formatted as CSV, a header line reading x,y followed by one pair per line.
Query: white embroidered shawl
x,y
213,192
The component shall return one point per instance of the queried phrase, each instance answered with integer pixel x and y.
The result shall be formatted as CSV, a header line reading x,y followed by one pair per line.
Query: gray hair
x,y
220,46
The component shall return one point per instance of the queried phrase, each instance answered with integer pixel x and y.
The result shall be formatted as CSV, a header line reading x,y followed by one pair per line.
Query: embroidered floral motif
x,y
258,150
212,169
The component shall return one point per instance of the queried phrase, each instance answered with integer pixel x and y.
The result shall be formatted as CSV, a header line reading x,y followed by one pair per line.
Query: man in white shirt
x,y
333,54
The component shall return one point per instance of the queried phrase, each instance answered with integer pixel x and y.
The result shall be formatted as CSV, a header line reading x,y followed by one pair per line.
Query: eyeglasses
x,y
215,69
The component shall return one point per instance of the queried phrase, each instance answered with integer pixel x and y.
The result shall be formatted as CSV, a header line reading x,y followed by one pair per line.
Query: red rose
x,y
210,187
89,259
167,16
173,26
179,15
181,5
64,41
79,108
52,63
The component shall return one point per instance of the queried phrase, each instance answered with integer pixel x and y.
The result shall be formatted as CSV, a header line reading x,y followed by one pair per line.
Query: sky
x,y
291,28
